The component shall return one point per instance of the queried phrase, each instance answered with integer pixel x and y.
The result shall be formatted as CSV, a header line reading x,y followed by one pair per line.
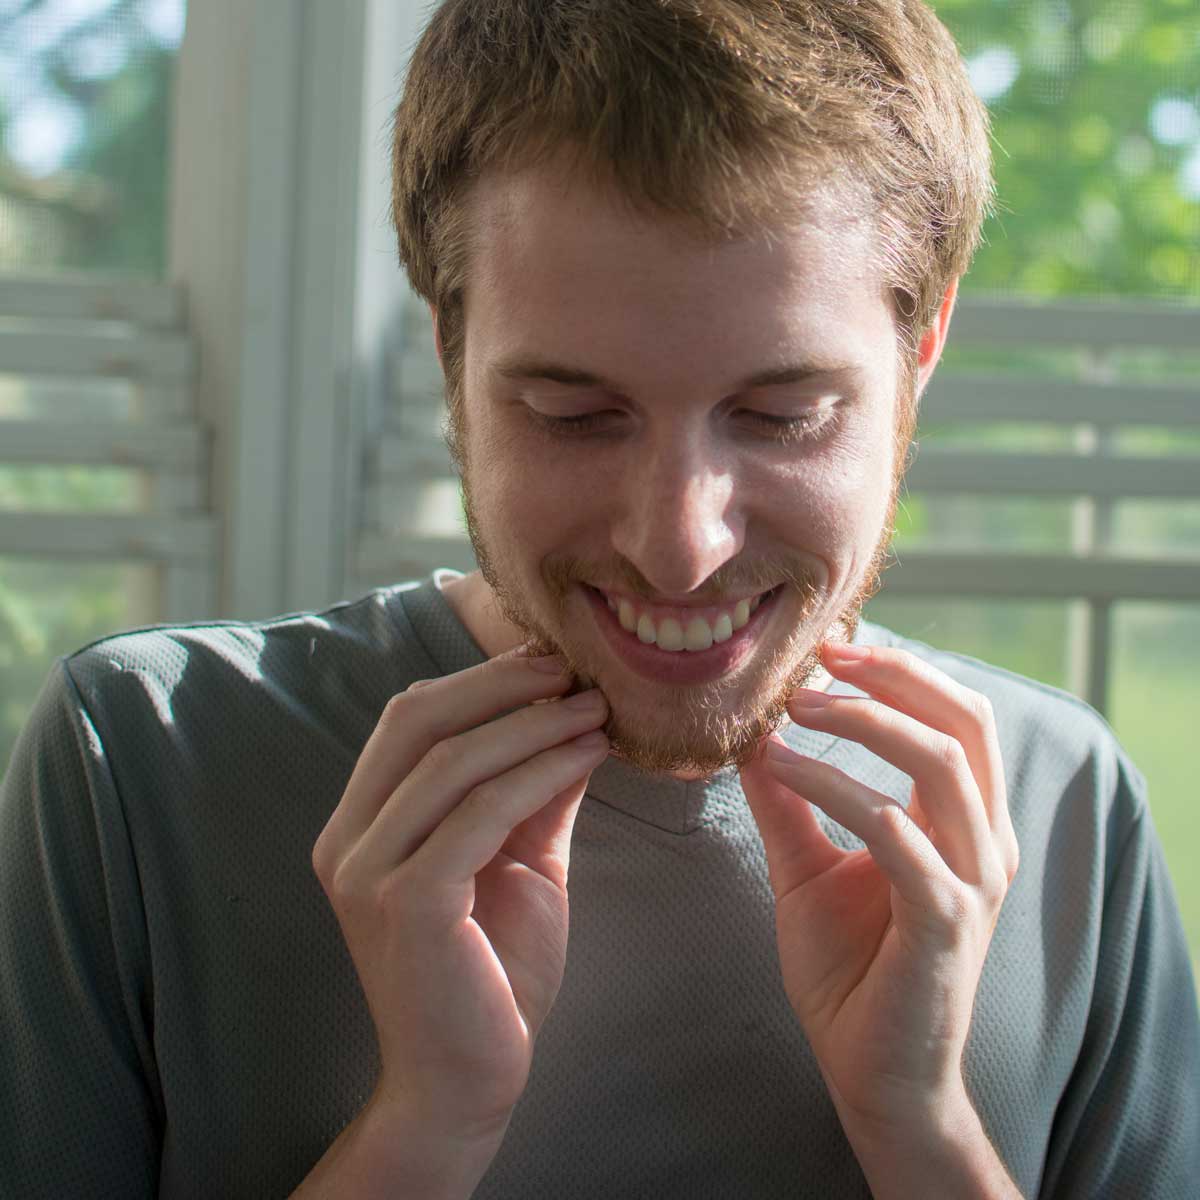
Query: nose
x,y
678,519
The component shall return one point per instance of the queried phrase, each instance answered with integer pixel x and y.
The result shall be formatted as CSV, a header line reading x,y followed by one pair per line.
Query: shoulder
x,y
313,665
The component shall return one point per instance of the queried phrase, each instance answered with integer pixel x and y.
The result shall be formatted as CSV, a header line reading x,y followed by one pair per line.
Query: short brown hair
x,y
722,112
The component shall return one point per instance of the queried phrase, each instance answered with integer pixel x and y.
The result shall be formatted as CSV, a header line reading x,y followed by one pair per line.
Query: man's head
x,y
636,211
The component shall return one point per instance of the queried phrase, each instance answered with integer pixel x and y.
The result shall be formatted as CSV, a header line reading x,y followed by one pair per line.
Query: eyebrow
x,y
520,368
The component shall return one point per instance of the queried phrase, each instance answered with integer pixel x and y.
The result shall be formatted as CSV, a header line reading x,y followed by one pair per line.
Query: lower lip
x,y
679,666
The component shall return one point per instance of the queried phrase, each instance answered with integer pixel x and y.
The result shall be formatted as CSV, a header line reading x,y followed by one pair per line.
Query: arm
x,y
950,1147
78,1081
386,1155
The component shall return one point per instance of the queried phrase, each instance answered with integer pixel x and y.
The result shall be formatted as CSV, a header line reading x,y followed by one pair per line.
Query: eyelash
x,y
785,430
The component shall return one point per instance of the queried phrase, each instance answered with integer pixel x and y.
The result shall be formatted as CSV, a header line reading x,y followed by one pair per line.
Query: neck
x,y
475,606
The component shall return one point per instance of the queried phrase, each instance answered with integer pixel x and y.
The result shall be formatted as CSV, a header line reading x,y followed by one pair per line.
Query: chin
x,y
661,727
703,728
723,740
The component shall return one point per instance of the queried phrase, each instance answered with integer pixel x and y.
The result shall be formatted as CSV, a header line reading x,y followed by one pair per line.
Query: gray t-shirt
x,y
179,1015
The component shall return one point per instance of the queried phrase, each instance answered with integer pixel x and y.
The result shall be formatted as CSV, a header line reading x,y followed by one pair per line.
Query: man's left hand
x,y
882,948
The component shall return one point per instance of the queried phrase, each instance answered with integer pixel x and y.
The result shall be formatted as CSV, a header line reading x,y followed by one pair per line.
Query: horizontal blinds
x,y
67,343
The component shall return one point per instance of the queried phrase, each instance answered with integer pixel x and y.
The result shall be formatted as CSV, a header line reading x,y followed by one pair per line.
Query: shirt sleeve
x,y
1128,1124
80,1109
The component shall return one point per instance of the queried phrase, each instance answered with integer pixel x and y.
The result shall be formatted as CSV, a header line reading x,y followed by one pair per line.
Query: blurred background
x,y
219,400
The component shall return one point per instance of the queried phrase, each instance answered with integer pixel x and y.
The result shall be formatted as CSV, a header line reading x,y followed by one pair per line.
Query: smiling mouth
x,y
677,629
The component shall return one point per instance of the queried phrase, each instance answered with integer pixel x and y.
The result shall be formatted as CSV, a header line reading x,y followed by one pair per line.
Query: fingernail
x,y
550,664
809,698
583,701
848,652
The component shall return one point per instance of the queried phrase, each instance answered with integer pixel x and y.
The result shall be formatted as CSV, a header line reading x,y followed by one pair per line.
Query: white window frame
x,y
279,236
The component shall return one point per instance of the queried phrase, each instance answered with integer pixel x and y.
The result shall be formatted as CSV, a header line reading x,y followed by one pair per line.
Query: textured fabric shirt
x,y
179,1015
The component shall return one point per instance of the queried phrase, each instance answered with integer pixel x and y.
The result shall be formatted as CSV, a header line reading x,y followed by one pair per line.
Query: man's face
x,y
682,492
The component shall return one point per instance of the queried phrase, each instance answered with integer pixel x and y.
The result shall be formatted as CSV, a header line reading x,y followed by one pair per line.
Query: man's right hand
x,y
446,864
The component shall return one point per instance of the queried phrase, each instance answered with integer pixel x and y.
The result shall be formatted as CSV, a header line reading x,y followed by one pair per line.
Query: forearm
x,y
380,1154
953,1159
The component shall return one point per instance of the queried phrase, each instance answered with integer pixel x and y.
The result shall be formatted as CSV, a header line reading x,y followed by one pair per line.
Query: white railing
x,y
413,521
1092,405
76,333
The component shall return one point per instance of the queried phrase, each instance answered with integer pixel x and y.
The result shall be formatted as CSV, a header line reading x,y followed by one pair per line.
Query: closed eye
x,y
583,423
778,428
793,429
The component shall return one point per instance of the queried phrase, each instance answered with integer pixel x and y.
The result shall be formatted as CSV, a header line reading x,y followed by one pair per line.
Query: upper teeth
x,y
689,633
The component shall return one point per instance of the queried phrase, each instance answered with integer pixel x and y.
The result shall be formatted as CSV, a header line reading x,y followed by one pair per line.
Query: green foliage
x,y
130,151
1091,201
104,207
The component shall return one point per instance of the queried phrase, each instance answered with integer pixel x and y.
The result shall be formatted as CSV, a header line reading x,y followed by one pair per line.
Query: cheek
x,y
832,502
532,490
546,485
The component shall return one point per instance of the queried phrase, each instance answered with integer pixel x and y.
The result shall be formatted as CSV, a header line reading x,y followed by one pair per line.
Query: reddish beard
x,y
697,729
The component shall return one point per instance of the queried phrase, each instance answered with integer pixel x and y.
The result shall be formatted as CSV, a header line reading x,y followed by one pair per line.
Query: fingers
x,y
470,761
936,763
933,729
902,852
901,681
474,832
543,842
415,720
796,846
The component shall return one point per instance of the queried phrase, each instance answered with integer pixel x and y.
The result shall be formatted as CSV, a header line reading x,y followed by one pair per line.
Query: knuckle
x,y
346,888
949,755
905,661
957,907
1012,860
483,795
980,708
893,820
321,859
442,756
504,667
378,901
402,709
881,714
396,709
388,894
994,886
889,656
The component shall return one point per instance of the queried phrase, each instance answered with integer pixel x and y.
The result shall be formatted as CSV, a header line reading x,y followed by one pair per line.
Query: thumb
x,y
796,846
543,841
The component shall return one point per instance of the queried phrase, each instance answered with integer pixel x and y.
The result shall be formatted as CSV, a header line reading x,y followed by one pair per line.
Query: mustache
x,y
734,578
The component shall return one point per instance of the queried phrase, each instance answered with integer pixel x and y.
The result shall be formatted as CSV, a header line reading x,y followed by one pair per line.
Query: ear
x,y
437,334
934,338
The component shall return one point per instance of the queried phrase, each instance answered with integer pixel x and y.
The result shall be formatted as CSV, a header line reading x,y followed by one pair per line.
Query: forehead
x,y
558,252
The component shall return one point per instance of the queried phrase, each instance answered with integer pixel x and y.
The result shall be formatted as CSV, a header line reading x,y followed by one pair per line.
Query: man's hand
x,y
446,864
882,948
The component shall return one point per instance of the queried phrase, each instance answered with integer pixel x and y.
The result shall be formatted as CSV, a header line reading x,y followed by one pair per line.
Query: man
x,y
691,265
